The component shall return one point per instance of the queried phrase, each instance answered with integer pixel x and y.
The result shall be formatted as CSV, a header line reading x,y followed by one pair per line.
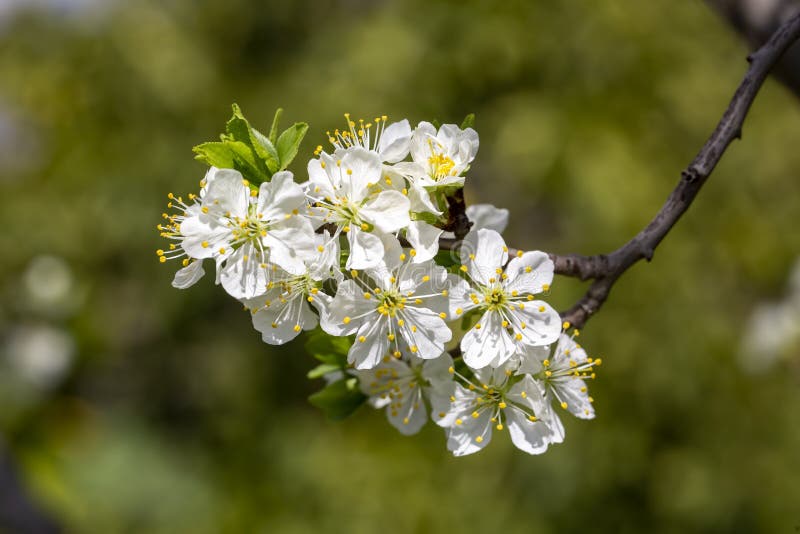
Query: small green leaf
x,y
216,154
436,123
323,369
247,162
266,149
289,143
237,127
468,122
446,258
322,345
339,399
273,132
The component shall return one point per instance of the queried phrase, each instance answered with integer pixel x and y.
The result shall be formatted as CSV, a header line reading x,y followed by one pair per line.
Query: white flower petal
x,y
483,252
489,344
420,149
408,414
189,275
348,310
388,211
359,169
487,216
366,249
425,332
424,238
228,193
375,345
530,273
244,278
542,322
471,436
280,196
395,141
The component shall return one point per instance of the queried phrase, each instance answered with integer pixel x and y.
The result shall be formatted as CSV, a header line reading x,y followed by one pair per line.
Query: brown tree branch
x,y
605,269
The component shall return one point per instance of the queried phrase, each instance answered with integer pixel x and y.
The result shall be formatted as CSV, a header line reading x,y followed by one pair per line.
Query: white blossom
x,y
344,191
403,387
287,307
393,310
493,399
391,143
562,376
510,317
248,233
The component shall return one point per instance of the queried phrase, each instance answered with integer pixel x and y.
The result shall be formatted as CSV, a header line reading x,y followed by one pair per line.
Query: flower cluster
x,y
460,336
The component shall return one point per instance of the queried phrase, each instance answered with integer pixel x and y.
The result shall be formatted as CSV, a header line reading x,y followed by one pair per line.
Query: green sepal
x,y
446,258
468,122
339,399
289,143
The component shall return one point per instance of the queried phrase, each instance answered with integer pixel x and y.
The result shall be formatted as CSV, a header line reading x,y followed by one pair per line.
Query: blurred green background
x,y
130,406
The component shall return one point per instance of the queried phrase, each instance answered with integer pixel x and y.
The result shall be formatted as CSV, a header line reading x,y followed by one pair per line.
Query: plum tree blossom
x,y
495,398
510,317
400,310
355,250
404,387
344,192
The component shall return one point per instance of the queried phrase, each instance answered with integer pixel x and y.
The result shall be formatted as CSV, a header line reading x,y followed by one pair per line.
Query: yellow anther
x,y
598,361
297,328
459,311
519,253
204,244
320,248
274,325
162,259
564,405
401,323
362,339
414,349
391,337
518,336
524,395
498,270
222,250
459,422
397,354
451,370
548,373
532,418
443,315
479,439
388,181
499,426
204,209
402,257
405,420
364,226
502,405
463,268
367,296
565,326
546,363
405,191
542,308
528,269
475,415
472,256
545,287
346,229
412,252
346,320
505,324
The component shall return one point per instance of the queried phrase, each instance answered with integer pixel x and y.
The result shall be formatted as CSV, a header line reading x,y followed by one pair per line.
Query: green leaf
x,y
323,369
468,122
273,132
446,258
289,143
339,399
237,127
266,149
216,154
436,123
320,345
248,162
